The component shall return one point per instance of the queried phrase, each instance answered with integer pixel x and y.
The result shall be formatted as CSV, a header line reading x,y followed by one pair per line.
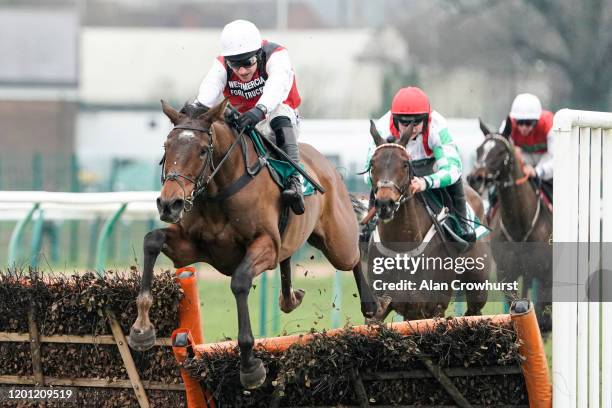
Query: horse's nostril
x,y
177,205
383,205
159,202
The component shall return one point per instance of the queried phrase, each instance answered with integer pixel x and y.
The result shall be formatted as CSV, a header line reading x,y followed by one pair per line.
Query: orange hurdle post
x,y
191,324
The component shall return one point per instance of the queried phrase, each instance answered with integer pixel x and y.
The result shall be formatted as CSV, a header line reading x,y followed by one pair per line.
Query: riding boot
x,y
458,196
370,226
286,139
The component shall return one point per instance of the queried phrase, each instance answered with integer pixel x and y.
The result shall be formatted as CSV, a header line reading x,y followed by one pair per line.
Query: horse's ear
x,y
378,140
483,127
406,135
507,128
171,113
215,113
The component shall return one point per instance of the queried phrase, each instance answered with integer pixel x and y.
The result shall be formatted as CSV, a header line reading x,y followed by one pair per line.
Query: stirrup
x,y
468,233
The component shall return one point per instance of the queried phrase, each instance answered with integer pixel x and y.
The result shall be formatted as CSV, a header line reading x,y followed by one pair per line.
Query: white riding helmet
x,y
526,106
239,37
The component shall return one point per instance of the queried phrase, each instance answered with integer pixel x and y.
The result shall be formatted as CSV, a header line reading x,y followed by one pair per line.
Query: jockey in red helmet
x,y
258,78
435,157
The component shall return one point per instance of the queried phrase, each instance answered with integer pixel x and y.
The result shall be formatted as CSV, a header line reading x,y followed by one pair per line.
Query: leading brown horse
x,y
223,212
403,218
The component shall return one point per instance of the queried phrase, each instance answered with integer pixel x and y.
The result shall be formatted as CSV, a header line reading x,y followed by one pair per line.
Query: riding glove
x,y
251,117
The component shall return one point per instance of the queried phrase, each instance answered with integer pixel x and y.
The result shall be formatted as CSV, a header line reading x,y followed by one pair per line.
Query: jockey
x,y
435,157
530,128
257,77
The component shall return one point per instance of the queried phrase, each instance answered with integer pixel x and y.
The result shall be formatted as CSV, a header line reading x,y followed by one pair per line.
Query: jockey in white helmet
x,y
257,77
530,128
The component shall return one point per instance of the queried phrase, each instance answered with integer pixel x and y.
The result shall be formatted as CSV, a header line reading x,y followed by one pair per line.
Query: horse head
x,y
493,160
187,164
391,173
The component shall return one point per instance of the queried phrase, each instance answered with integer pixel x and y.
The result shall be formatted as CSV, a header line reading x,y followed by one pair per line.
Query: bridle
x,y
200,182
508,164
402,187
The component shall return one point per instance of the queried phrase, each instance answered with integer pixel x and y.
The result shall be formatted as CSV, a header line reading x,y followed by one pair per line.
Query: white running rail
x,y
14,205
582,331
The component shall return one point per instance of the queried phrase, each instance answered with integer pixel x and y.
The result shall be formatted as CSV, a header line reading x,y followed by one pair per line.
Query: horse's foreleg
x,y
142,333
260,256
289,299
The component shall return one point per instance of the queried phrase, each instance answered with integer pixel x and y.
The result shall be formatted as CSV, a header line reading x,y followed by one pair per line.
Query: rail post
x,y
15,241
102,246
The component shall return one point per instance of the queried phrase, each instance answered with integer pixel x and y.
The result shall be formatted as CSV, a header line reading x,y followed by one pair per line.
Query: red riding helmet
x,y
410,101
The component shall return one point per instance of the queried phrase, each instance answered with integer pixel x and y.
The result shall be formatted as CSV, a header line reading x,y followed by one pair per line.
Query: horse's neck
x,y
410,224
517,203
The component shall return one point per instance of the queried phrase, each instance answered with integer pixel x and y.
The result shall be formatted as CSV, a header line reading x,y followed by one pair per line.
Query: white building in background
x,y
339,72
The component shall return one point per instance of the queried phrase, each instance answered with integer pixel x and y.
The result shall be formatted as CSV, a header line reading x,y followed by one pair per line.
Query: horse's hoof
x,y
254,377
296,299
382,310
141,340
369,309
369,321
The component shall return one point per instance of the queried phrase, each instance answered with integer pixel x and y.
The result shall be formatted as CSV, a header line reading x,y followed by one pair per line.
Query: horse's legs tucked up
x,y
288,299
259,257
339,248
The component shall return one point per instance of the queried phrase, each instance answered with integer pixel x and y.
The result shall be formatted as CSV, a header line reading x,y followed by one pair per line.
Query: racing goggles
x,y
408,120
526,122
247,62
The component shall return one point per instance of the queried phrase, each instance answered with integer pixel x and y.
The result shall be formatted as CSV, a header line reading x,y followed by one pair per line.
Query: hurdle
x,y
522,317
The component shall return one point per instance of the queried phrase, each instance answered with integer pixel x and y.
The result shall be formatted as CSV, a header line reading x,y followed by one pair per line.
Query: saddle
x,y
436,200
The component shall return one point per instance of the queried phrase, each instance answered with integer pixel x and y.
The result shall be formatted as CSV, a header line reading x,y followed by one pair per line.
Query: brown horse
x,y
522,225
223,212
404,218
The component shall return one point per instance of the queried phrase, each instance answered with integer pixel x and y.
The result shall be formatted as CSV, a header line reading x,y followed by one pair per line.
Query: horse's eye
x,y
203,151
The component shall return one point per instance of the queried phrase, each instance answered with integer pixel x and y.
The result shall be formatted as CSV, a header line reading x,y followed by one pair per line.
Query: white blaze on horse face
x,y
486,149
186,134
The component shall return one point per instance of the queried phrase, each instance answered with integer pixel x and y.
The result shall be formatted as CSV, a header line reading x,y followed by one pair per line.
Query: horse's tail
x,y
360,206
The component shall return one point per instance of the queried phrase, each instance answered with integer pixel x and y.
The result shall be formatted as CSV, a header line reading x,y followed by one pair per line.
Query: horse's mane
x,y
193,111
